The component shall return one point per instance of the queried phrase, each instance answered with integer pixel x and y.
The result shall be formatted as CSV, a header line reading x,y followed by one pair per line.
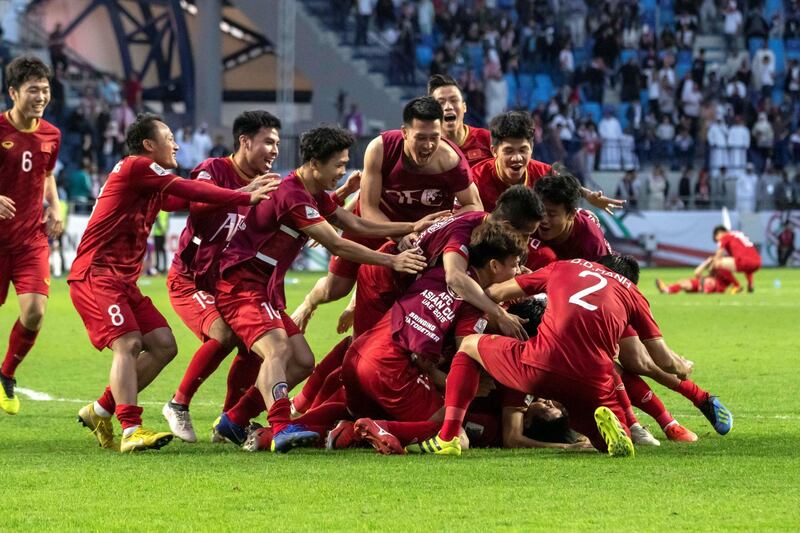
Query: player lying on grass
x,y
714,281
250,295
736,253
102,281
29,152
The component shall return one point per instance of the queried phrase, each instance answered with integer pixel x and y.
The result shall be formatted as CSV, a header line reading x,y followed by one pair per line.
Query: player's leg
x,y
724,263
241,376
328,289
303,400
639,434
332,389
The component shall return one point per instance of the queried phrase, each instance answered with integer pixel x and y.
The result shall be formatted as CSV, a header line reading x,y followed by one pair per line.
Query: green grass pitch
x,y
746,349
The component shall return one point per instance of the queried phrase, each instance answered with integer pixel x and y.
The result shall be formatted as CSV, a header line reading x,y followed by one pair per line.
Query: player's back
x,y
451,234
26,156
586,239
737,244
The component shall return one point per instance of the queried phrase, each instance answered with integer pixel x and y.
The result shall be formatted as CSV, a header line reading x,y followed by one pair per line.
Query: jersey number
x,y
203,298
116,315
577,297
27,161
271,313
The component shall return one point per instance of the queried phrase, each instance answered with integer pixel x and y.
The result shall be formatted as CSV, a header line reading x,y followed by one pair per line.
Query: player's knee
x,y
32,315
222,333
129,345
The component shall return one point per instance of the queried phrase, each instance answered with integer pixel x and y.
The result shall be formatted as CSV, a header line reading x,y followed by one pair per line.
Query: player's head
x,y
531,310
625,265
150,137
28,80
546,421
560,192
448,93
521,207
512,144
325,151
719,231
495,250
256,136
422,129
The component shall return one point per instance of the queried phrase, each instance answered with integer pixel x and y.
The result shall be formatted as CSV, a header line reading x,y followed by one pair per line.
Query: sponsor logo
x,y
47,281
8,145
203,175
429,197
480,325
311,213
158,169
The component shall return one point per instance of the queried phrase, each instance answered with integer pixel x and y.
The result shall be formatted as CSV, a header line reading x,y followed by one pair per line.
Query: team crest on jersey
x,y
47,147
480,325
473,154
203,175
158,169
8,145
429,197
311,213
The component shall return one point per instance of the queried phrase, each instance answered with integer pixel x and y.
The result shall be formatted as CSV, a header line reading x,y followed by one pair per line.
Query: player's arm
x,y
322,232
52,218
666,359
372,182
199,191
597,199
702,266
351,185
455,271
269,182
513,434
344,219
521,286
469,199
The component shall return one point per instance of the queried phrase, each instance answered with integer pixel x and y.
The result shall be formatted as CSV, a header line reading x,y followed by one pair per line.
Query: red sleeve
x,y
641,319
147,176
470,320
173,203
202,173
336,200
462,178
535,282
54,156
327,206
198,191
305,215
539,257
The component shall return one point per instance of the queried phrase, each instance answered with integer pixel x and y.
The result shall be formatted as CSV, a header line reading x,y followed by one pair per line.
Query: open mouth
x,y
450,117
515,168
268,164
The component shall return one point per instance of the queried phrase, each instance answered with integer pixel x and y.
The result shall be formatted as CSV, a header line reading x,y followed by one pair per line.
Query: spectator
x,y
159,232
627,146
219,149
610,131
590,143
691,98
764,71
186,157
795,143
785,244
79,182
132,90
566,61
769,184
746,188
665,135
5,59
684,149
629,189
717,138
202,143
631,76
755,27
55,44
708,16
738,144
363,14
110,91
702,191
784,194
763,136
425,16
685,187
699,67
354,122
732,26
792,84
657,189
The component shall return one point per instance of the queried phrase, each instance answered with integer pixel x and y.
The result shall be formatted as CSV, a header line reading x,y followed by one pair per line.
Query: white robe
x,y
718,146
738,144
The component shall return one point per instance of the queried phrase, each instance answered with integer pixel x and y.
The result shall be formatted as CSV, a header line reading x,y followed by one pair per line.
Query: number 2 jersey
x,y
26,157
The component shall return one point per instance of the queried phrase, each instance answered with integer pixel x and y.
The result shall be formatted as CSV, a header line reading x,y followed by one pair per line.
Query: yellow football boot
x,y
9,402
618,442
100,426
144,439
436,446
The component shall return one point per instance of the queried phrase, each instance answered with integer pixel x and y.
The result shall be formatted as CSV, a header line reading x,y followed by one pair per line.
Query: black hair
x,y
532,310
250,123
559,187
442,80
323,142
422,108
718,229
144,127
555,430
622,264
26,68
519,206
494,240
511,125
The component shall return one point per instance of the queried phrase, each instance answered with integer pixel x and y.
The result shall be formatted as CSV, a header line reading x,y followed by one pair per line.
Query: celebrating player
x,y
28,153
742,255
717,281
408,173
102,282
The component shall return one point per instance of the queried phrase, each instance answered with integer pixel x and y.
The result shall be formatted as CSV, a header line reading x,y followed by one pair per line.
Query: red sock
x,y
408,432
675,287
241,376
315,382
249,406
643,397
204,362
280,415
332,388
462,385
326,415
129,415
749,277
689,389
625,401
20,342
107,401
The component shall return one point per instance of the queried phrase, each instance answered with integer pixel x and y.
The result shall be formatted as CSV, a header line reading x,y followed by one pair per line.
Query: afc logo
x,y
534,244
233,223
429,197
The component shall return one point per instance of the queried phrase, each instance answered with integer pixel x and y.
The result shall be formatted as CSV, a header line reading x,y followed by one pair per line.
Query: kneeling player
x,y
742,254
717,281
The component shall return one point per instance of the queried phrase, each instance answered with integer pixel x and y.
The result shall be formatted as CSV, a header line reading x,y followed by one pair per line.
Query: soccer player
x,y
570,359
102,281
250,294
408,173
209,227
742,255
28,153
717,281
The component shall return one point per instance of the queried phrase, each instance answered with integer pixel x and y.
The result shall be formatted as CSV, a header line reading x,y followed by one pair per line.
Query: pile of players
x,y
452,345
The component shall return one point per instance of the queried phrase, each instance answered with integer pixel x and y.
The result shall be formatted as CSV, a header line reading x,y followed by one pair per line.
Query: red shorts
x,y
747,264
388,385
501,357
197,309
249,313
29,271
110,308
348,269
377,290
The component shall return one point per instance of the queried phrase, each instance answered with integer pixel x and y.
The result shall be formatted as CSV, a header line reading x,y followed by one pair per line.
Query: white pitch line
x,y
44,397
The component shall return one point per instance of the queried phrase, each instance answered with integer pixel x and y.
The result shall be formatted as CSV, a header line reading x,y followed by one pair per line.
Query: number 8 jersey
x,y
26,157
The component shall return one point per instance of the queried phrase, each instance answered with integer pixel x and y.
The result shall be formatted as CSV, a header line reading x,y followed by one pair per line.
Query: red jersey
x,y
477,146
586,240
408,195
738,246
26,157
137,188
491,186
451,234
272,237
538,255
588,308
209,228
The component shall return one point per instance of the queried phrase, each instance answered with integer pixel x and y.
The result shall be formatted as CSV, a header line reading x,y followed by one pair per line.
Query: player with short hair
x,y
250,295
742,255
408,173
717,281
102,281
570,359
28,152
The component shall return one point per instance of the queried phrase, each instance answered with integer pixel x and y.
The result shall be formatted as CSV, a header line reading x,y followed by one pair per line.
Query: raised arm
x,y
597,199
372,182
344,219
469,199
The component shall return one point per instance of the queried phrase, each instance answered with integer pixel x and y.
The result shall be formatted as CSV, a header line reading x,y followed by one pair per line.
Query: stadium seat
x,y
545,84
754,44
626,54
777,94
526,85
666,18
772,7
648,16
593,110
424,56
644,101
512,90
622,114
475,52
777,47
681,68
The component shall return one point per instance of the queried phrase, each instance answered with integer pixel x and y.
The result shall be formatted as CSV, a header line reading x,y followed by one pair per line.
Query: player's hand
x,y
425,222
54,224
605,203
510,325
580,446
262,192
346,319
270,181
352,184
7,208
409,262
685,368
408,242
